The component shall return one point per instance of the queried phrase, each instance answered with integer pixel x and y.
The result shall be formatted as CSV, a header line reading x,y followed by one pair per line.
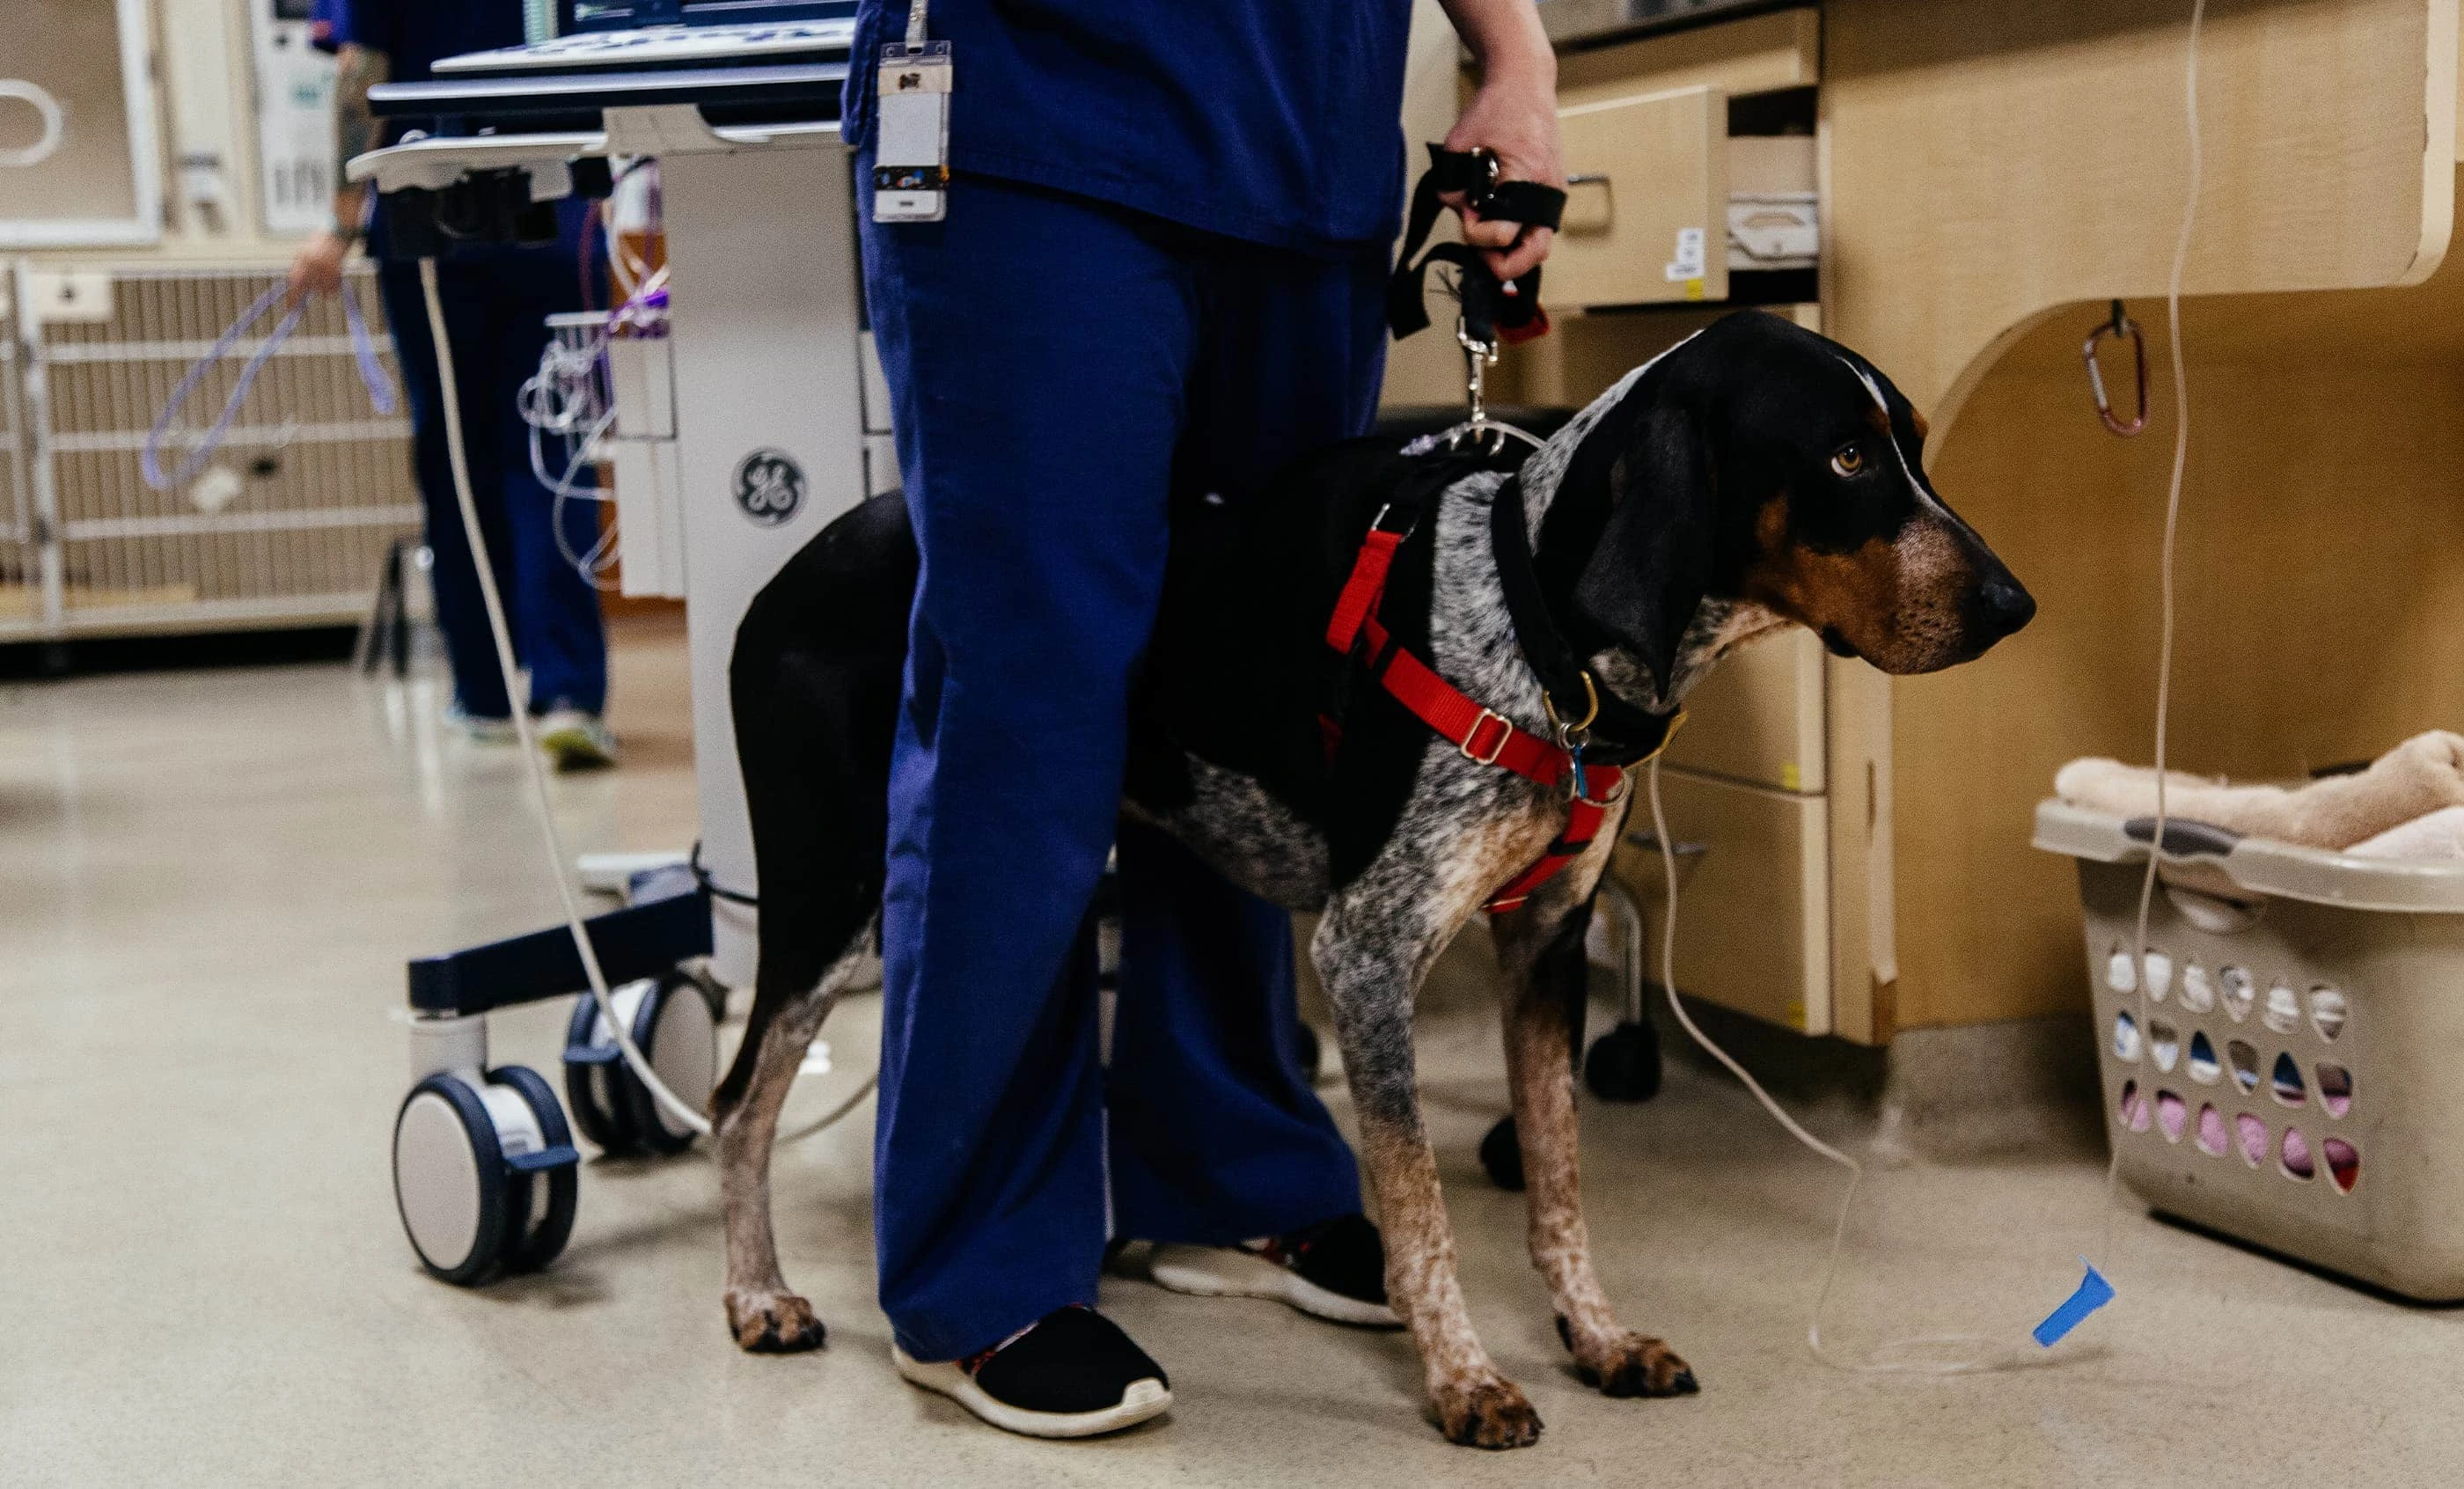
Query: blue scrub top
x,y
1270,120
415,33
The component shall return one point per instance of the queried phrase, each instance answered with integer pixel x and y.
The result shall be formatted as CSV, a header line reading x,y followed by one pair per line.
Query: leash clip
x,y
1571,735
2121,328
1479,356
1574,737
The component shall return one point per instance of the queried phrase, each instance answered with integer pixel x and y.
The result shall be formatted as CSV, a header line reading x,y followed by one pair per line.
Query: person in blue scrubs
x,y
495,300
1162,270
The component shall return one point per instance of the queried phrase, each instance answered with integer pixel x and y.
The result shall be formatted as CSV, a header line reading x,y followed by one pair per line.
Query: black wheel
x,y
1624,1063
587,1086
539,1202
449,1181
1500,1153
674,1031
1308,1050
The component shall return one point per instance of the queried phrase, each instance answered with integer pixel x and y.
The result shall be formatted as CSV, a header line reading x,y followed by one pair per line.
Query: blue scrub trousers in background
x,y
496,303
1058,366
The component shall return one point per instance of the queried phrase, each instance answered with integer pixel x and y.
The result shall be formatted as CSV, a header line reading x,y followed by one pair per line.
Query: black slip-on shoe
x,y
1335,1270
1072,1374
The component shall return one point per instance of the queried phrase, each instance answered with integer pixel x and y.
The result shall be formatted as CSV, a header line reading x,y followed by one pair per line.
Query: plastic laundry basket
x,y
2288,1065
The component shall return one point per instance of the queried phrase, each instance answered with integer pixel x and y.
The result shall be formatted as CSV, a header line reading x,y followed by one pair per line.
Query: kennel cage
x,y
20,562
288,524
2282,1068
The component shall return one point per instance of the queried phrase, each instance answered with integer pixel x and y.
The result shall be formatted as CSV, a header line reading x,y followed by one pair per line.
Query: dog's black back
x,y
814,684
1240,674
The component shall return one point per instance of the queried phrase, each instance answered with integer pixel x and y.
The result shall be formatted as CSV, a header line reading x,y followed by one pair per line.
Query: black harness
x,y
1590,724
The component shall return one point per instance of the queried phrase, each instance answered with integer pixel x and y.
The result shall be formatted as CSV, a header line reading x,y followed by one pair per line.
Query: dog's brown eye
x,y
1849,460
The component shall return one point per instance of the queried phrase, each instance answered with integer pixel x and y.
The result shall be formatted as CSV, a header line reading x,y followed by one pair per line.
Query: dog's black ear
x,y
1653,564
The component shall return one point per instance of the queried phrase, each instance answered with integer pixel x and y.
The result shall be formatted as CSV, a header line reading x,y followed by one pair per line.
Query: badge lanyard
x,y
911,156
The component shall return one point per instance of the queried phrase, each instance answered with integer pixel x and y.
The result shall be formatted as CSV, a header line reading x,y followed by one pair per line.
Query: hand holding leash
x,y
1517,127
1493,308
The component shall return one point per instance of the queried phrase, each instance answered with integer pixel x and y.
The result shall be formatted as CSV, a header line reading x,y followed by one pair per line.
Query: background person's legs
x,y
478,688
1036,347
555,611
1216,1135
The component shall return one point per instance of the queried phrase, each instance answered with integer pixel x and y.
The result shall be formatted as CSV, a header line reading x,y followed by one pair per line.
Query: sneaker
x,y
482,728
577,742
1072,1374
1335,1270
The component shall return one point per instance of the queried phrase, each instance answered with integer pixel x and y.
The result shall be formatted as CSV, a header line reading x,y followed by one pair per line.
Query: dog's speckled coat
x,y
1733,485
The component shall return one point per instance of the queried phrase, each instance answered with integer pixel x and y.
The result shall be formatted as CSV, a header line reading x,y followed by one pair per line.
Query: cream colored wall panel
x,y
1991,159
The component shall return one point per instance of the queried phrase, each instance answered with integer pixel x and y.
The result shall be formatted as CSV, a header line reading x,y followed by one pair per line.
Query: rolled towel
x,y
2421,776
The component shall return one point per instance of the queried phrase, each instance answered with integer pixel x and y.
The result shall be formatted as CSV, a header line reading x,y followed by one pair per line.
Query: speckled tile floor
x,y
209,883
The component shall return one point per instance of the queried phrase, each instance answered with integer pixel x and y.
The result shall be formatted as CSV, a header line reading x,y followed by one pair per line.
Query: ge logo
x,y
769,486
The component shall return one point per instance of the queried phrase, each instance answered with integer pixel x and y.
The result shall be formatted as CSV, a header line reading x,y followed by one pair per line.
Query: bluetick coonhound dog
x,y
1755,477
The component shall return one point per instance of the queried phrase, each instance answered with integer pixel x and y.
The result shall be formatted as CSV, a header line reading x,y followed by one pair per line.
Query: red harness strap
x,y
1484,735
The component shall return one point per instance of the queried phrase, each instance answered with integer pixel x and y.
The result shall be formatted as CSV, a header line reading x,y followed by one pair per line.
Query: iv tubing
x,y
2164,561
1890,1357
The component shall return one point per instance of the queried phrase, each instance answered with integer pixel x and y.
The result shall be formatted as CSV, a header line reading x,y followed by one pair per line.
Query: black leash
x,y
1490,310
1587,719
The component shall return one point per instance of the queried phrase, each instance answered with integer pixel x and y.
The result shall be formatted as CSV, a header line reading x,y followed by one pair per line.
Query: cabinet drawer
x,y
1758,716
1753,911
1647,201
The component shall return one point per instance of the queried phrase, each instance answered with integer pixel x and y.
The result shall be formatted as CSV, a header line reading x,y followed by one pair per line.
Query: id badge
x,y
911,155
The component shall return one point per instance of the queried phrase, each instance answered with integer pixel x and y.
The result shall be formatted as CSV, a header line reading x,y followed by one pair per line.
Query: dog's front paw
x,y
1485,1413
1627,1364
773,1323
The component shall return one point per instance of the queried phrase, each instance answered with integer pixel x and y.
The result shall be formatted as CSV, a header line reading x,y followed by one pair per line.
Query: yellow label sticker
x,y
1792,777
1693,289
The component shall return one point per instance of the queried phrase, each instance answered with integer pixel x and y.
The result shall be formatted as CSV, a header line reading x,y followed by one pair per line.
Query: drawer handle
x,y
1584,218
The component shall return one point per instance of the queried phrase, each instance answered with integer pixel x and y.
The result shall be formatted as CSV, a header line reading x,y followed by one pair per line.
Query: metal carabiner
x,y
2120,327
1478,357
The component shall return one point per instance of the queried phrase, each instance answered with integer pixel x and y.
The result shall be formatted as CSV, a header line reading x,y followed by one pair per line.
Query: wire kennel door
x,y
314,484
21,560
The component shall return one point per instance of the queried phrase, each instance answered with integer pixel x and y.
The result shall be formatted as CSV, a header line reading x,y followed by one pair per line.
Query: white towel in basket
x,y
2410,787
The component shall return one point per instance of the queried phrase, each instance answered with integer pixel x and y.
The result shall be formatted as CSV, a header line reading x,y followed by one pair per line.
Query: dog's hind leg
x,y
1374,945
762,1313
1540,948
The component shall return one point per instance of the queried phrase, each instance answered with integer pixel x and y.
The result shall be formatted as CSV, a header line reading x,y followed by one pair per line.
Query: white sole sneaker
x,y
575,741
1143,1401
1229,1272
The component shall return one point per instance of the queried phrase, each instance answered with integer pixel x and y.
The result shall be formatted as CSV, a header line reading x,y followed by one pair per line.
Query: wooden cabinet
x,y
1646,202
1758,718
1753,911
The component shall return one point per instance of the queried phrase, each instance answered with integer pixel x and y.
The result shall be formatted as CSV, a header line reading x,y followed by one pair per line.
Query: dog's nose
x,y
2003,606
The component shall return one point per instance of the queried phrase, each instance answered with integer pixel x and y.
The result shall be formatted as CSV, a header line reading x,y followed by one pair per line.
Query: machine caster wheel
x,y
1500,1153
483,1175
538,1201
1624,1063
671,1021
1309,1051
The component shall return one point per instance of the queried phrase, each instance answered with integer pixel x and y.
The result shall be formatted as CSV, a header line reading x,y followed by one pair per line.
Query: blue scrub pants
x,y
1058,368
495,301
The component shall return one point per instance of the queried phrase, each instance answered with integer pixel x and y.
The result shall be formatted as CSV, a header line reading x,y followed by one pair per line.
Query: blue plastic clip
x,y
2094,1292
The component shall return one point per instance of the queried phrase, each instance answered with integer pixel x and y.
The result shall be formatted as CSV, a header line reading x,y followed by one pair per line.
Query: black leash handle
x,y
1491,310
